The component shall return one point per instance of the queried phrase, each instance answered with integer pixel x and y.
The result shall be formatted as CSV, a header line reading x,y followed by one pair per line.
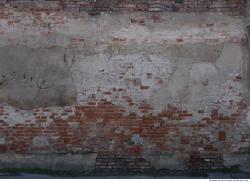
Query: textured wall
x,y
94,7
123,91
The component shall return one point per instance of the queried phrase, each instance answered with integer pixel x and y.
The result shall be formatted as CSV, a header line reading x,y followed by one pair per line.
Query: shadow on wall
x,y
35,77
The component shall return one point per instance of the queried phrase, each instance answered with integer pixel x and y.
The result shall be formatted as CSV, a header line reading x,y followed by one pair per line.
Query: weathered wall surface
x,y
124,92
95,7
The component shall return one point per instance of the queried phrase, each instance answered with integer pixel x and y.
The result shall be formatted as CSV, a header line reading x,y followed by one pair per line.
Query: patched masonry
x,y
95,89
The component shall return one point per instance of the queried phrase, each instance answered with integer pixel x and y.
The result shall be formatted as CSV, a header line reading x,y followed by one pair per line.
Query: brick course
x,y
95,7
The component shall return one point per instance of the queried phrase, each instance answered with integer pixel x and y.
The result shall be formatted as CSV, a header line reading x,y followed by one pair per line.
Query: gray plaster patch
x,y
203,72
55,162
170,161
198,51
75,162
175,89
17,117
248,118
231,59
137,139
40,141
2,139
35,77
242,160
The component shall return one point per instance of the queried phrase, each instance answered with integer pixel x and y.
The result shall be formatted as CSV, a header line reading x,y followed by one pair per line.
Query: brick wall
x,y
122,141
147,92
95,7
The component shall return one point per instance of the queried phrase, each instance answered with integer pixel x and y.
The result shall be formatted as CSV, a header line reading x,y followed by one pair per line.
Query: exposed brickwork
x,y
121,163
222,136
204,162
103,128
119,123
95,7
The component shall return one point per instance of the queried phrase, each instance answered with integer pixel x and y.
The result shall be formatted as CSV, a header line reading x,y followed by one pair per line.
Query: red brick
x,y
222,136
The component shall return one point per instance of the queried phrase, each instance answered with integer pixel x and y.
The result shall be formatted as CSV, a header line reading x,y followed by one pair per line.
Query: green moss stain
x,y
232,169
